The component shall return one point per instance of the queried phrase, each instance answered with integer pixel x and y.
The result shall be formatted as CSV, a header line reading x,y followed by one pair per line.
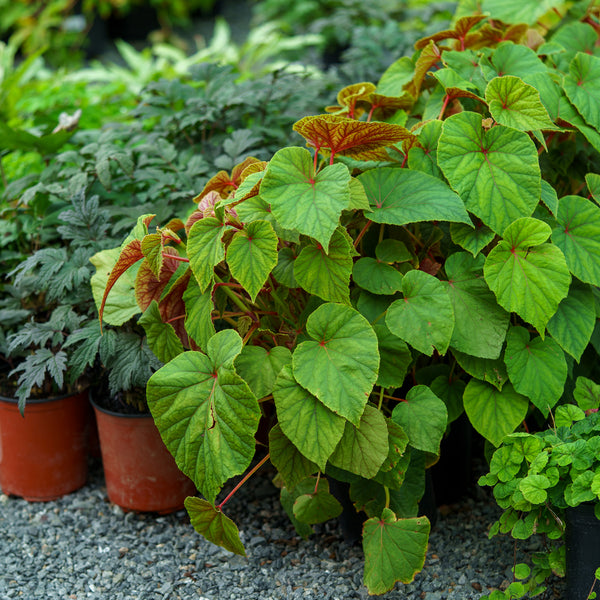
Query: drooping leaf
x,y
592,181
306,422
528,276
402,196
549,197
424,317
363,449
198,313
302,200
479,323
495,172
128,256
206,413
217,528
578,236
492,371
162,339
394,357
472,239
120,305
326,273
424,156
459,32
582,86
284,269
537,368
339,365
260,367
288,497
573,322
349,137
516,104
205,249
148,286
252,254
494,413
394,550
291,464
423,416
317,506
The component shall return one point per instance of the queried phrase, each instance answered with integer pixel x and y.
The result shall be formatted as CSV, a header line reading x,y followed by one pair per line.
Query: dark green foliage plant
x,y
537,476
433,250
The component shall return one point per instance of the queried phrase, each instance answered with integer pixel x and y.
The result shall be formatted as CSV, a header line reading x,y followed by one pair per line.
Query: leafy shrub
x,y
434,251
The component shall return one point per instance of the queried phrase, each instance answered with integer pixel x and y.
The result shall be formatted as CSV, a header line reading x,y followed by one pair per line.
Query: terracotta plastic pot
x,y
140,472
43,455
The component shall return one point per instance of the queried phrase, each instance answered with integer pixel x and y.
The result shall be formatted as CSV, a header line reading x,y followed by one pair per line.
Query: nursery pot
x,y
140,473
43,455
582,541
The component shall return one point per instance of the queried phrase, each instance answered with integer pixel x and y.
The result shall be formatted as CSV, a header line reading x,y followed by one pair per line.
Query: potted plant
x,y
428,253
548,484
140,473
44,409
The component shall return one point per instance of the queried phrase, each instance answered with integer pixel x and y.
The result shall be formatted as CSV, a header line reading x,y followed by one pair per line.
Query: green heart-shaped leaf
x,y
363,449
394,550
578,236
260,367
198,313
302,200
206,413
326,274
252,254
318,506
528,276
494,413
306,422
291,464
586,393
516,104
205,249
214,525
424,317
495,172
472,239
573,322
537,368
376,277
424,417
341,362
395,357
162,339
492,371
479,323
582,86
402,196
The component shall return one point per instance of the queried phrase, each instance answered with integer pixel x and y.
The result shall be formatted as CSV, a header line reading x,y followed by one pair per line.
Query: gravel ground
x,y
83,547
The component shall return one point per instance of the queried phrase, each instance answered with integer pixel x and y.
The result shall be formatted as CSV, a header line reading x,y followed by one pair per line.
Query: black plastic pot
x,y
582,540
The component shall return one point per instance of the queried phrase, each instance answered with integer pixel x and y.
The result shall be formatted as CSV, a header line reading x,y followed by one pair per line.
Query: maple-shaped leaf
x,y
358,139
129,255
224,182
349,96
459,33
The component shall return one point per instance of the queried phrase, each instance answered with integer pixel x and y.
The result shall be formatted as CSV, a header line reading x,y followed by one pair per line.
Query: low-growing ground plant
x,y
429,246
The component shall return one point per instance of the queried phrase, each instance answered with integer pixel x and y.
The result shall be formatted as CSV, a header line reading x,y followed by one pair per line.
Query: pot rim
x,y
10,400
107,411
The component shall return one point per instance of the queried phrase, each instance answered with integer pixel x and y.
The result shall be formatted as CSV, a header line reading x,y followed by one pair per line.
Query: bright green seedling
x,y
335,308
